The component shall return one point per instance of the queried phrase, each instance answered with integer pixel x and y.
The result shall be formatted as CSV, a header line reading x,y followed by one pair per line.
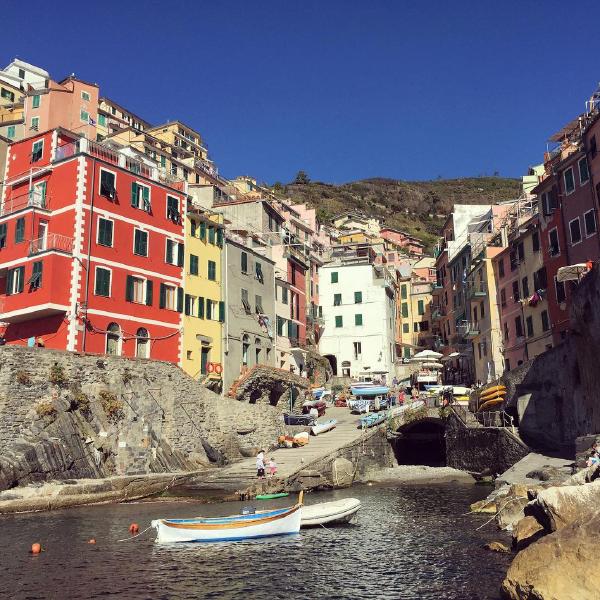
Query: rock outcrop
x,y
525,532
560,566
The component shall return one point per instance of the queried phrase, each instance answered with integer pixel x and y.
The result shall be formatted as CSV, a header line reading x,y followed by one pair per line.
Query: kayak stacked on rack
x,y
491,398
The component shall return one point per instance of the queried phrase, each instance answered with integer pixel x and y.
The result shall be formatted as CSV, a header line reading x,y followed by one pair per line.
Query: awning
x,y
572,272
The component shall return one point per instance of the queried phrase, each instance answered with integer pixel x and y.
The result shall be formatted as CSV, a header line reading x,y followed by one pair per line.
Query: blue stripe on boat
x,y
238,539
261,515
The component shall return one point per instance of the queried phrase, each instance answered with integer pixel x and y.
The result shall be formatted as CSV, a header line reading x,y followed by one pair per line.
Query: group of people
x,y
594,457
260,466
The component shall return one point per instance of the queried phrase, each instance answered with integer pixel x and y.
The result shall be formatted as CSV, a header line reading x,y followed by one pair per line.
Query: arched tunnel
x,y
421,442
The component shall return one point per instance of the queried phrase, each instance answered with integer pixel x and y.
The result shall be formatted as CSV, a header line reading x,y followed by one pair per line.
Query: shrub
x,y
414,414
80,401
45,408
113,407
127,376
23,378
57,375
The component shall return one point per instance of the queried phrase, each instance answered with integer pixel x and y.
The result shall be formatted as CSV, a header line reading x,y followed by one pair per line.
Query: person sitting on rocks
x,y
593,459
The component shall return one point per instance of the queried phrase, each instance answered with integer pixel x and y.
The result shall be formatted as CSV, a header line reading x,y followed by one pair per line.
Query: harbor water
x,y
407,542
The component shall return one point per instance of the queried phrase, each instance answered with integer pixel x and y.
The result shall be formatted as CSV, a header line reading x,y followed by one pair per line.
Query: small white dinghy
x,y
323,427
332,513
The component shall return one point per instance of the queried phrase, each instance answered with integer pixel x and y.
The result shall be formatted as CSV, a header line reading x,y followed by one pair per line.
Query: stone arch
x,y
421,442
332,360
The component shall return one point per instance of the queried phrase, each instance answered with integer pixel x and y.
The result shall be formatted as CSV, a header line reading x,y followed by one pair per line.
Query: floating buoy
x,y
36,548
134,528
92,541
210,367
218,368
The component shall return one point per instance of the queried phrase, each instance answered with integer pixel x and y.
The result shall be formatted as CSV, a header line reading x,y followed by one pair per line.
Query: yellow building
x,y
414,315
204,306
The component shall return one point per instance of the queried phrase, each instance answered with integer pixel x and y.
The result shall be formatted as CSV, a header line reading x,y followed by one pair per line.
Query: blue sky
x,y
342,89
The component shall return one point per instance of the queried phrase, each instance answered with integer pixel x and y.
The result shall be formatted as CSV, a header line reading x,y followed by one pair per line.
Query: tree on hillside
x,y
302,178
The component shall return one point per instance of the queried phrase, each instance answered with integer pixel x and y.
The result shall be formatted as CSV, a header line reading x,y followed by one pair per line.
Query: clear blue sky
x,y
343,89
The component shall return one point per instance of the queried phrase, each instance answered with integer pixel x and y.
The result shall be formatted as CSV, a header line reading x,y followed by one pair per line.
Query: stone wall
x,y
489,450
66,415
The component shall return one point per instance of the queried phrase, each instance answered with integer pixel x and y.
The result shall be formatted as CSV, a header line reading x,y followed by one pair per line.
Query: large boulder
x,y
525,532
560,566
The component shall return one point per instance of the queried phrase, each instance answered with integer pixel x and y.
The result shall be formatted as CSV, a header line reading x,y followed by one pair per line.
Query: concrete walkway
x,y
530,463
291,460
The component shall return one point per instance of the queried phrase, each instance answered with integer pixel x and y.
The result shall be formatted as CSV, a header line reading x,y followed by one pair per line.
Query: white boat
x,y
323,427
264,523
396,411
338,511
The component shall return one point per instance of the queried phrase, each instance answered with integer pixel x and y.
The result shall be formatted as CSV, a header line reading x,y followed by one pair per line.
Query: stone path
x,y
532,462
291,460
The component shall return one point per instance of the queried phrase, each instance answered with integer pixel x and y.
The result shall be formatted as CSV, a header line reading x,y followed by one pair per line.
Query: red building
x,y
91,249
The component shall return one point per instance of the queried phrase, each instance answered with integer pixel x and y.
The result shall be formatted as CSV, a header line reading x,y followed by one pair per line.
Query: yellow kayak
x,y
490,404
494,396
492,390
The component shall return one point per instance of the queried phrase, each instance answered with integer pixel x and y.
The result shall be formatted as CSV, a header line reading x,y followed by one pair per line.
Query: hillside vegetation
x,y
417,207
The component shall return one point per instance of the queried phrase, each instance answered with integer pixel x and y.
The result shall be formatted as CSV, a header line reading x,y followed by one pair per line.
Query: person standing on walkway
x,y
260,465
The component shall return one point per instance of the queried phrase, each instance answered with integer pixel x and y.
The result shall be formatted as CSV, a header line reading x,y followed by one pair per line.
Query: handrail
x,y
31,198
52,241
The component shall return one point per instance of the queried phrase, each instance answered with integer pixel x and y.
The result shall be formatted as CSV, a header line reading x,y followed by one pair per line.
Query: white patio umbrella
x,y
432,365
427,355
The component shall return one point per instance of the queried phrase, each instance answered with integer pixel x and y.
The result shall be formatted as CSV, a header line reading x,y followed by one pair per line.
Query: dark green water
x,y
409,542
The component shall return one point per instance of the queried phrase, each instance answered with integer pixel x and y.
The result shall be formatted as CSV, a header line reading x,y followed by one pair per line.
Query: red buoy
x,y
36,548
92,541
134,528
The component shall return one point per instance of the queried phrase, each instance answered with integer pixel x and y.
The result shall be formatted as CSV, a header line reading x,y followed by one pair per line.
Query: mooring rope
x,y
136,535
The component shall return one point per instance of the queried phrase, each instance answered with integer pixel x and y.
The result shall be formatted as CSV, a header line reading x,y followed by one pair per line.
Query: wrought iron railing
x,y
52,241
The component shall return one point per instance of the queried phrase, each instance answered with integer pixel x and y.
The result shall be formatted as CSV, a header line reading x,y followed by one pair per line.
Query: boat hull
x,y
323,427
330,513
230,529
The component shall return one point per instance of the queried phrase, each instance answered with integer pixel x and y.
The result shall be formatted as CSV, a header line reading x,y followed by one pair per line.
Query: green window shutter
x,y
211,234
20,230
2,235
35,103
193,264
149,291
163,161
10,132
162,299
220,237
358,319
179,299
136,241
180,255
9,281
357,297
222,312
146,198
192,228
337,299
421,307
129,288
201,307
109,233
36,275
144,243
244,262
188,302
212,270
134,194
169,257
405,328
102,120
403,292
334,277
203,231
21,271
339,321
405,310
209,309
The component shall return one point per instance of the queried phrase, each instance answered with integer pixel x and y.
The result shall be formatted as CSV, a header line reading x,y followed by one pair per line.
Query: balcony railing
x,y
30,199
468,328
438,313
52,241
477,291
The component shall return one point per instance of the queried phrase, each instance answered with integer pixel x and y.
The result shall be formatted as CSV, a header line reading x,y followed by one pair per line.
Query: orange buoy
x,y
134,528
218,368
210,367
36,548
92,541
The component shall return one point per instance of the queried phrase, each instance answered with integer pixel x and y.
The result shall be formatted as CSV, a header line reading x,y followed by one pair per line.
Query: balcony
x,y
31,199
477,291
468,329
437,313
52,241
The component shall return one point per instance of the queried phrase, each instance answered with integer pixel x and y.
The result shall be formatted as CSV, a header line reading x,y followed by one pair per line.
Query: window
x,y
113,340
37,149
545,321
561,295
519,326
280,326
173,209
506,334
35,101
142,343
189,305
337,299
525,287
7,94
513,259
140,242
20,230
529,325
569,181
339,321
244,261
85,96
35,281
171,297
246,301
140,196
405,328
138,290
211,234
203,231
406,353
515,289
220,237
11,132
102,284
575,231
421,307
503,297
535,241
553,242
549,202
521,251
105,232
357,297
357,346
174,253
258,304
107,184
15,279
584,172
245,348
589,219
334,277
405,310
84,116
193,264
2,235
403,292
540,279
35,124
258,272
222,312
358,319
501,268
482,309
212,270
593,146
102,120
